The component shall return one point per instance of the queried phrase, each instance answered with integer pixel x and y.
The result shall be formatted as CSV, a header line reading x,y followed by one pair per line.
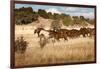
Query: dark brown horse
x,y
91,31
84,32
61,33
87,31
73,33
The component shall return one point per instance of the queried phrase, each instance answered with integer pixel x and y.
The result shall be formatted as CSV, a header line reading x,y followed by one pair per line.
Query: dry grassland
x,y
71,51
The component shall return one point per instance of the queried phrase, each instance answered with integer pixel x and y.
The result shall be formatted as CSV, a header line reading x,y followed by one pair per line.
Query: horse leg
x,y
65,38
84,35
38,34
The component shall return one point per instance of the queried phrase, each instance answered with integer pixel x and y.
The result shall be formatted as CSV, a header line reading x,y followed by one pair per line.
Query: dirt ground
x,y
71,51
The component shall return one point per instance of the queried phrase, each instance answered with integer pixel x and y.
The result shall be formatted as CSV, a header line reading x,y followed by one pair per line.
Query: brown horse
x,y
91,31
84,32
87,32
53,34
73,33
61,33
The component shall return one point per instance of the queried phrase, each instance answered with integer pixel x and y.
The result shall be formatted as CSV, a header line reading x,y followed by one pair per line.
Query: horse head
x,y
38,30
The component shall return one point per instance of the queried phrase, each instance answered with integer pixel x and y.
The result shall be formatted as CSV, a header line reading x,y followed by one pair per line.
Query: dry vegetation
x,y
74,50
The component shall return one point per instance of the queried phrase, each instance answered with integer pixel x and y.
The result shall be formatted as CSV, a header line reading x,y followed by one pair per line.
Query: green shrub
x,y
43,13
67,20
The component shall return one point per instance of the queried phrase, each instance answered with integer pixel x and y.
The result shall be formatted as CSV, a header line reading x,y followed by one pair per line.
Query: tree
x,y
50,15
83,21
67,20
56,16
56,24
43,13
82,18
76,20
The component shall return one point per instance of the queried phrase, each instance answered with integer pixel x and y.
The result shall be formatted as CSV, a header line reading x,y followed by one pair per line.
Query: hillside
x,y
28,16
46,23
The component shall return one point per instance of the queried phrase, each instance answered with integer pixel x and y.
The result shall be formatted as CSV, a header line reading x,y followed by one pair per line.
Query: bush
x,y
20,45
43,13
56,25
25,16
67,21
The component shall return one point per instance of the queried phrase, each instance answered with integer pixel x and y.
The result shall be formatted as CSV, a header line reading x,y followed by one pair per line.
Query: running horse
x,y
61,33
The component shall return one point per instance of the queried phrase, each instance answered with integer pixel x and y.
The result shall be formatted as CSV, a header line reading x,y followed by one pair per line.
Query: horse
x,y
52,33
73,33
61,33
91,31
87,31
84,32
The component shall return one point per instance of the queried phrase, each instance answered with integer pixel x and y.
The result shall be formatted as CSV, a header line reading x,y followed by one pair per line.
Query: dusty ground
x,y
74,50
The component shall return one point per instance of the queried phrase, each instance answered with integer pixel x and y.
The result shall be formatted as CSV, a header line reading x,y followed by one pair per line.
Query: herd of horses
x,y
62,34
66,33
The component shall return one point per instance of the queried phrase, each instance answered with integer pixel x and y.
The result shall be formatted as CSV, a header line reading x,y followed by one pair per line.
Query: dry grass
x,y
74,50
